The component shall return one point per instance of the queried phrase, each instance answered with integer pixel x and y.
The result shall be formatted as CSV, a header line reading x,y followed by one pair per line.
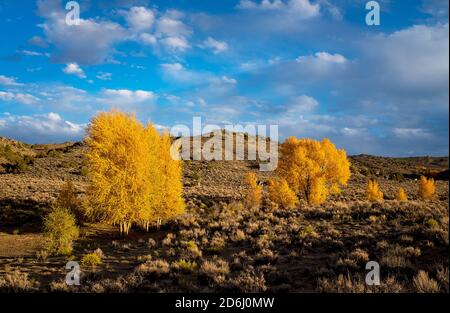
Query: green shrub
x,y
185,266
91,259
68,198
53,153
61,230
432,224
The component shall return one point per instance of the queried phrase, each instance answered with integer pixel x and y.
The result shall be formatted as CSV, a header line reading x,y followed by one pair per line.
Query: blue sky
x,y
311,66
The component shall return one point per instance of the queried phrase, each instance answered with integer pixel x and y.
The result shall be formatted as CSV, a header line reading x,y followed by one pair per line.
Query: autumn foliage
x,y
401,195
133,178
313,169
427,188
373,192
254,191
280,193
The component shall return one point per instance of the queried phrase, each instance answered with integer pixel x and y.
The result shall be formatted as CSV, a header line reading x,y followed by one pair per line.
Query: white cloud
x,y
302,8
34,53
177,72
23,98
147,39
229,80
140,18
171,25
264,4
104,76
302,104
175,43
415,58
74,69
215,45
323,58
9,81
91,42
50,127
125,97
411,133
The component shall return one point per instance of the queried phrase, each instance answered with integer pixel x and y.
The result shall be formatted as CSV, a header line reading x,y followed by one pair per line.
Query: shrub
x,y
424,284
373,192
185,266
432,223
217,243
68,198
427,188
91,259
401,195
193,249
254,192
17,281
215,270
312,168
249,281
156,268
280,193
61,230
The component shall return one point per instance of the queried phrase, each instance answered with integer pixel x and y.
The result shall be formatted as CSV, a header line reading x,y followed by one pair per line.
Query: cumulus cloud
x,y
302,8
215,45
74,69
177,72
302,104
140,18
104,76
126,98
23,98
147,39
414,59
170,24
91,42
175,43
42,128
9,81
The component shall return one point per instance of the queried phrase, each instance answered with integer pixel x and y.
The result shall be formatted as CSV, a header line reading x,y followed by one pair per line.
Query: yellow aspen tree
x,y
119,157
319,192
373,192
280,193
401,195
313,168
171,200
254,190
427,189
154,177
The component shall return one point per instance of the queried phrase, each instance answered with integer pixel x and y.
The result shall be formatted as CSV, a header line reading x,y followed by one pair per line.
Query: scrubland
x,y
219,244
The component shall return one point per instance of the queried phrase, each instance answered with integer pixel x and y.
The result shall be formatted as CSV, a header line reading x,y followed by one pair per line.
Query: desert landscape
x,y
219,244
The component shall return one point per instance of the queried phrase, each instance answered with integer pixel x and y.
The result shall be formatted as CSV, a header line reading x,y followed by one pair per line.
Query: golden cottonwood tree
x,y
313,168
373,192
427,188
126,171
280,193
254,192
401,195
172,203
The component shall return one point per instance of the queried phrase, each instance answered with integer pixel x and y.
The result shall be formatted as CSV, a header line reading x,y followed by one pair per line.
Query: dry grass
x,y
219,245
